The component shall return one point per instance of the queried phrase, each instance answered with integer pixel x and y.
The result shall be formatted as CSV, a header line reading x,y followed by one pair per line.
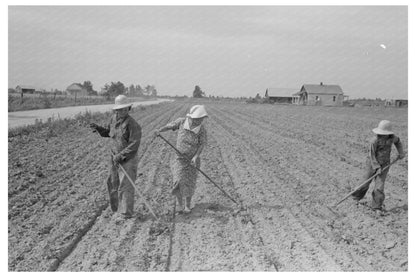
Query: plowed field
x,y
286,164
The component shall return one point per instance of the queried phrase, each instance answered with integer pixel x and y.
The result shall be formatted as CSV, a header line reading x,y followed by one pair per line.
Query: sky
x,y
226,50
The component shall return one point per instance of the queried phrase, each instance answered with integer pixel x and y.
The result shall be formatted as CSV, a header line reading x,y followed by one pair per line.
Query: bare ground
x,y
287,165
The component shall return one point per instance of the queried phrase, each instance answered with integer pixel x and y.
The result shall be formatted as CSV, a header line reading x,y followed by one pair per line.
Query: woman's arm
x,y
174,125
165,128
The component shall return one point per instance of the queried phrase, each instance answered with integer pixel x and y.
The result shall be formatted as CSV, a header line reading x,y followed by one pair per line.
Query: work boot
x,y
379,212
126,216
118,218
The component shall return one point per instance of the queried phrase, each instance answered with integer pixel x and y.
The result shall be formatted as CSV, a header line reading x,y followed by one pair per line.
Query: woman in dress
x,y
192,137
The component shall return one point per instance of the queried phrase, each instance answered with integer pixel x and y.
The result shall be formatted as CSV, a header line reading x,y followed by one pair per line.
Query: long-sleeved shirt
x,y
126,134
380,149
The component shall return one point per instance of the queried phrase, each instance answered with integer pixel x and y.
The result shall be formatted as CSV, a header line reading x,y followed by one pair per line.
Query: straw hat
x,y
121,102
384,128
197,111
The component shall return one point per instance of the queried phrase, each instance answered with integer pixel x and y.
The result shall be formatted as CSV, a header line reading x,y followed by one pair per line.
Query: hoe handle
x,y
138,192
203,173
365,182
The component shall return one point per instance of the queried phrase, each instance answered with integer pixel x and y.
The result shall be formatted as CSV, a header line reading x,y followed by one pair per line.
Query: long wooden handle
x,y
137,190
203,173
365,182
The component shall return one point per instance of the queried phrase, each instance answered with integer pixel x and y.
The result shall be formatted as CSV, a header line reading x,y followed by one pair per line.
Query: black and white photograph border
x,y
212,136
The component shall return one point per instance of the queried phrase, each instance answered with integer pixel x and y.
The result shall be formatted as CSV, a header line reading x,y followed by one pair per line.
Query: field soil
x,y
286,165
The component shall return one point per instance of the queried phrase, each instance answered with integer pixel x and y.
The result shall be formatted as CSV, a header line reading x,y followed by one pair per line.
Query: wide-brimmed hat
x,y
384,128
197,111
121,102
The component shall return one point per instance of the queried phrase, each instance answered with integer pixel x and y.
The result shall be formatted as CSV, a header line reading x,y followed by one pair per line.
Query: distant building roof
x,y
75,86
321,89
26,87
281,92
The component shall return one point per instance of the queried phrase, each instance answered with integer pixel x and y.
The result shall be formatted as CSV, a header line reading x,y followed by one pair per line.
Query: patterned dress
x,y
188,142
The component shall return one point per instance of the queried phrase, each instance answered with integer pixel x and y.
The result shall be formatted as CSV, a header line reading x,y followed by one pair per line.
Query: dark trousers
x,y
120,189
378,192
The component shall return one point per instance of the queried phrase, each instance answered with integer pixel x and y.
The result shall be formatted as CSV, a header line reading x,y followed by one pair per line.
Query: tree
x,y
106,93
154,91
132,90
198,93
139,90
88,86
114,89
150,90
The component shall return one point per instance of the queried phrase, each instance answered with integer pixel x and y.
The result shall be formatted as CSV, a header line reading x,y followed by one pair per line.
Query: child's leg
x,y
378,192
180,202
188,200
359,194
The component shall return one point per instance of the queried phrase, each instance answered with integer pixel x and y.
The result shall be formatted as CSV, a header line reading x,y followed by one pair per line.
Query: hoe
x,y
138,191
203,173
365,182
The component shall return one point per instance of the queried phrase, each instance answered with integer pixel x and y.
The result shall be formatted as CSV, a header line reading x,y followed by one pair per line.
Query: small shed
x,y
25,89
76,90
396,102
280,95
320,95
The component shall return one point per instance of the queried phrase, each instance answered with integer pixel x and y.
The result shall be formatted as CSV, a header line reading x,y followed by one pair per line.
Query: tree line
x,y
111,90
116,88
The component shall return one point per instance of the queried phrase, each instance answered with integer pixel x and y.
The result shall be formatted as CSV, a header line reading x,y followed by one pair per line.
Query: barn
x,y
76,90
26,89
396,102
320,95
280,95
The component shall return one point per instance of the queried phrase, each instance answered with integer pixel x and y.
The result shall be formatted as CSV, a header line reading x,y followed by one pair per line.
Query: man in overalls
x,y
126,134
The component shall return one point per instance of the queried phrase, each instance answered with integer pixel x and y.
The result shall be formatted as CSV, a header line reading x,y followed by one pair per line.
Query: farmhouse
x,y
320,95
280,95
76,90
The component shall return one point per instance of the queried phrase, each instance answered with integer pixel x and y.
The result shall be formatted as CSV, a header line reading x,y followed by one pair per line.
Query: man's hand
x,y
401,156
94,127
378,172
117,159
156,133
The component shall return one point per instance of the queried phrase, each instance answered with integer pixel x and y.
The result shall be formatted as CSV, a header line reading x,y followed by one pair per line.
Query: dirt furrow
x,y
325,162
335,128
253,177
267,160
69,200
129,261
211,238
270,157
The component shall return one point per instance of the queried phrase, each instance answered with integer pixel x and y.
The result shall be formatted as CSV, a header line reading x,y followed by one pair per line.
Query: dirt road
x,y
22,118
286,164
